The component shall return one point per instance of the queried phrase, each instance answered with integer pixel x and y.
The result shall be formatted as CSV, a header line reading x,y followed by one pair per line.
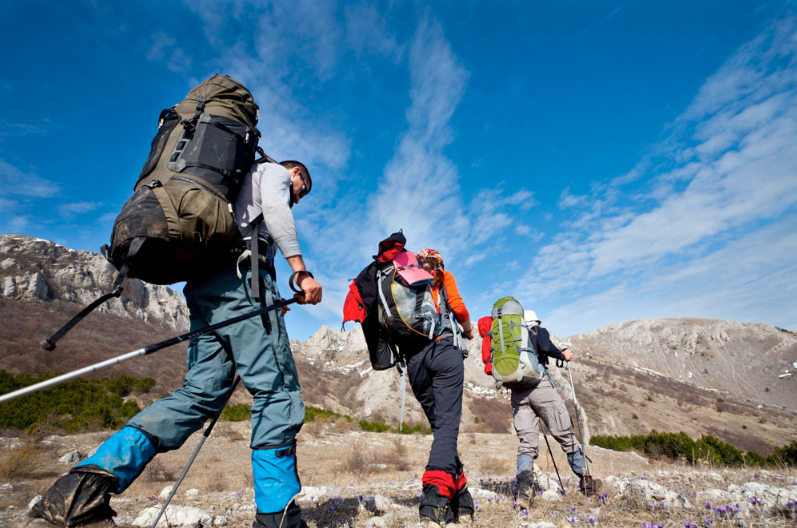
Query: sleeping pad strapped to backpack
x,y
180,221
515,364
179,224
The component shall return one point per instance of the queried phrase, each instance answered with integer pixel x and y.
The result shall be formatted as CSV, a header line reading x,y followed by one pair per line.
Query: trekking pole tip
x,y
47,345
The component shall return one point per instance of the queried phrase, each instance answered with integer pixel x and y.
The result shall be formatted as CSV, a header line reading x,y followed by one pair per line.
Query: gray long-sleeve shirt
x,y
266,188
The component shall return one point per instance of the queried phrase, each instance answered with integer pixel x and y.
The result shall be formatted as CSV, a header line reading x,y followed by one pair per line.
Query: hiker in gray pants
x,y
542,401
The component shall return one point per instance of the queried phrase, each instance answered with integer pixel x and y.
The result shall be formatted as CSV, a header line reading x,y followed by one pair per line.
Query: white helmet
x,y
531,318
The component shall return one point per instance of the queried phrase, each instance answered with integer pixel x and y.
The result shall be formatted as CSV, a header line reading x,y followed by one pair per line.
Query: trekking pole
x,y
588,483
205,436
578,419
149,349
552,458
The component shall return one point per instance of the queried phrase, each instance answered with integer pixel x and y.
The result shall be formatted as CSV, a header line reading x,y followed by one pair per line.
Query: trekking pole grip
x,y
298,293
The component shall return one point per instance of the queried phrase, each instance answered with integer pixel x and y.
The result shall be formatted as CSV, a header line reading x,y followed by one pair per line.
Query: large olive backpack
x,y
179,223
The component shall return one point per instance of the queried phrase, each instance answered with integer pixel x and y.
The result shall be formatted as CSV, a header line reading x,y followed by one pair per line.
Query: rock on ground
x,y
641,491
165,492
175,517
72,457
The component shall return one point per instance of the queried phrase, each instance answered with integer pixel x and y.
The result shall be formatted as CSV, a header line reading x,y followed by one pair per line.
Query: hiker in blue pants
x,y
258,349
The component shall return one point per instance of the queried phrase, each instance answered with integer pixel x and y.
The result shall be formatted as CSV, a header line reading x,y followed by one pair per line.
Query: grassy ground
x,y
341,468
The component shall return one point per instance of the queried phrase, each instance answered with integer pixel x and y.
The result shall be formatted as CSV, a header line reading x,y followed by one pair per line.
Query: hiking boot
x,y
435,509
526,488
462,507
80,497
588,486
290,517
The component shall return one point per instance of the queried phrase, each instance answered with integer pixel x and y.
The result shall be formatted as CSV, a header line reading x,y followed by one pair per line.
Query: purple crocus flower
x,y
708,522
572,520
592,519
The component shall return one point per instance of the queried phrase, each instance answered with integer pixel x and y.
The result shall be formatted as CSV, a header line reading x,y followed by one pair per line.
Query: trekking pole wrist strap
x,y
292,280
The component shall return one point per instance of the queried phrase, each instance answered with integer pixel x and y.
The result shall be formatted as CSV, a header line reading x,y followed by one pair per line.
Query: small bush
x,y
311,413
21,463
155,472
417,428
75,406
707,448
239,412
374,427
218,483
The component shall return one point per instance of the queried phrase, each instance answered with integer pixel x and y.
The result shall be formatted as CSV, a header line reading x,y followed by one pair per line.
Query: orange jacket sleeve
x,y
454,298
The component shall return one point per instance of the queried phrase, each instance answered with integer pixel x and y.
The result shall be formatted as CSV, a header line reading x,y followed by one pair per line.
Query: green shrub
x,y
311,413
239,412
374,427
75,406
786,455
417,428
708,448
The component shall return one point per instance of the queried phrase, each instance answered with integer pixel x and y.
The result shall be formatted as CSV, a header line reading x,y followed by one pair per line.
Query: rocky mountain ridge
x,y
752,361
702,376
33,269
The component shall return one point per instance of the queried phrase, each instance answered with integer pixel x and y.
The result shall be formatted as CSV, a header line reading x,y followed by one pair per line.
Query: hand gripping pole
x,y
149,349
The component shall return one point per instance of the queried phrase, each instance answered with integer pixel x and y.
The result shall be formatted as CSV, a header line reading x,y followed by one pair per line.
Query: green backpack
x,y
515,362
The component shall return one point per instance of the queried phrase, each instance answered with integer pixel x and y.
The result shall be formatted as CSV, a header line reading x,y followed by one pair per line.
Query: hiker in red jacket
x,y
437,375
407,319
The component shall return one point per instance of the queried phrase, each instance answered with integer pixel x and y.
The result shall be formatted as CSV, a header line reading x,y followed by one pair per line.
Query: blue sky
x,y
602,161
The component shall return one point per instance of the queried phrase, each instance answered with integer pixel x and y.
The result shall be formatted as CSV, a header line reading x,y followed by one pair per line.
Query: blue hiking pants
x,y
265,364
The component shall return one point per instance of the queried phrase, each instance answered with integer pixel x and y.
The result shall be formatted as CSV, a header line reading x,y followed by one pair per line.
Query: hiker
x,y
404,310
257,349
537,400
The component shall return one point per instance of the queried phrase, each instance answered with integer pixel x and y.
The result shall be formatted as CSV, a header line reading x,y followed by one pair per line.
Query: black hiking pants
x,y
437,375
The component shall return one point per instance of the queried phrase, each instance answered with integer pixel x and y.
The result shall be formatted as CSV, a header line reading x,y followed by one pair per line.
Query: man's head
x,y
301,183
531,318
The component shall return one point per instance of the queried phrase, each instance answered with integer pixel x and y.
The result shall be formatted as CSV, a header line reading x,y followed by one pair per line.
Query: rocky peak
x,y
36,270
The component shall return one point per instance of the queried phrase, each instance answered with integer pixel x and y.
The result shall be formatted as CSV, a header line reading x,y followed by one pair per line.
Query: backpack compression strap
x,y
135,246
253,253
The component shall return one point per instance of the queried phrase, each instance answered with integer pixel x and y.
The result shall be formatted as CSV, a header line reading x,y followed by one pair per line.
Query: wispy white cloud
x,y
25,183
20,129
162,46
751,279
368,33
729,167
179,61
69,210
161,43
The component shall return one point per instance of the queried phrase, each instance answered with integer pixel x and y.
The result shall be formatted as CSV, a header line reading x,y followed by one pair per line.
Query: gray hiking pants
x,y
542,401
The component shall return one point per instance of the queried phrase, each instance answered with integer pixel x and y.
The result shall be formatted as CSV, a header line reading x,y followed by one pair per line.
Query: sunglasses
x,y
305,191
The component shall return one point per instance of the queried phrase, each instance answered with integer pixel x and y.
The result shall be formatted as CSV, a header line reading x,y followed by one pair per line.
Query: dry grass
x,y
218,482
157,472
22,462
494,465
228,431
